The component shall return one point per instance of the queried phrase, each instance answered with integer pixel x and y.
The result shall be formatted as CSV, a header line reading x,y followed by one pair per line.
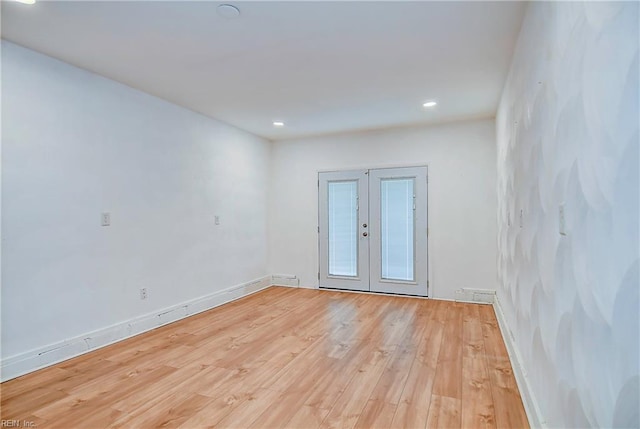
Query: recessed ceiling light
x,y
278,124
26,1
228,11
430,103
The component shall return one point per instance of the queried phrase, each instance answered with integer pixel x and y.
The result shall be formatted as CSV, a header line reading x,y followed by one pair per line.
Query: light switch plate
x,y
521,218
105,219
562,225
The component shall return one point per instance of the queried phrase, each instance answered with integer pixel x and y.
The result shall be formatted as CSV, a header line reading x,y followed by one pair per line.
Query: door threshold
x,y
401,295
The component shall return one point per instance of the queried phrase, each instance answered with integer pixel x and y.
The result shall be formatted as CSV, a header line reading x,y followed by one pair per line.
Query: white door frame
x,y
366,281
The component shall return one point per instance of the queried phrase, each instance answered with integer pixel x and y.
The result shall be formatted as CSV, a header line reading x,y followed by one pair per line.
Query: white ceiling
x,y
321,67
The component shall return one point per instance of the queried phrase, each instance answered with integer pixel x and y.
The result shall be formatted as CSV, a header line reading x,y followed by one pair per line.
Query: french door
x,y
373,230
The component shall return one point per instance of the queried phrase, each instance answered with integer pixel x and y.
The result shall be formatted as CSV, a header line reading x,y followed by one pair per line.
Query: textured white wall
x,y
567,131
75,145
462,197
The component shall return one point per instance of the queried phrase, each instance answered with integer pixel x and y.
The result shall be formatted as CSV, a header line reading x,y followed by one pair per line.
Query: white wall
x,y
567,132
75,145
462,198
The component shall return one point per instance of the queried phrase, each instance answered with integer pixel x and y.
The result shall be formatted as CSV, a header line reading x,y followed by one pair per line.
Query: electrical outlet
x,y
216,219
143,293
105,219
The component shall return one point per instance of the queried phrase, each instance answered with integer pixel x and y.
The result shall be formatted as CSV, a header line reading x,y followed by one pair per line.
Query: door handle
x,y
364,234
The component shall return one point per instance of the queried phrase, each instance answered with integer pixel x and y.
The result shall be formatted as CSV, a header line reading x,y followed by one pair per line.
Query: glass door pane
x,y
343,233
343,228
397,229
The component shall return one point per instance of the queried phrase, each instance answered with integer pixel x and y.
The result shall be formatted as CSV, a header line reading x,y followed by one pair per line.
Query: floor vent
x,y
285,280
481,296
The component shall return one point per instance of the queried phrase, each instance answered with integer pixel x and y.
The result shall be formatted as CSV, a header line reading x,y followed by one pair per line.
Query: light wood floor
x,y
288,358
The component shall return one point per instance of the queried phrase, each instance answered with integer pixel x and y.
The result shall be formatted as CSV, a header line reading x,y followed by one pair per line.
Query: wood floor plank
x,y
394,376
19,406
146,396
509,410
308,417
102,394
38,379
444,412
383,402
493,343
448,381
287,357
413,407
477,402
430,343
85,418
218,409
326,392
376,414
250,410
349,405
171,412
472,336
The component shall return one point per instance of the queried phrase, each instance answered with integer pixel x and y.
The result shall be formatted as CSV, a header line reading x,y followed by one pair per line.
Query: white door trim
x,y
421,287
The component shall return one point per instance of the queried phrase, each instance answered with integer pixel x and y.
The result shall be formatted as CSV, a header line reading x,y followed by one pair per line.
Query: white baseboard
x,y
316,287
23,363
536,420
